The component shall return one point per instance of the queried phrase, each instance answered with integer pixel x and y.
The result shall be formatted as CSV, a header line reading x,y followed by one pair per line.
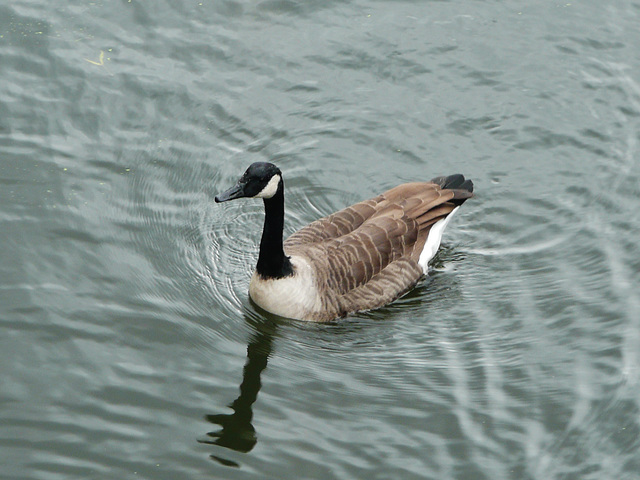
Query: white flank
x,y
270,189
433,241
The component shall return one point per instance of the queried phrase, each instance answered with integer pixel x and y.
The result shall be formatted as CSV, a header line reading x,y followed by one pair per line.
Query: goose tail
x,y
462,190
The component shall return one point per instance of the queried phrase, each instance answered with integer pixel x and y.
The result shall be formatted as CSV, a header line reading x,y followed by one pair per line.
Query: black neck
x,y
272,262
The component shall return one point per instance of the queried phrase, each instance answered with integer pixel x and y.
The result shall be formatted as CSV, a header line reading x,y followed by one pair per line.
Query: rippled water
x,y
129,346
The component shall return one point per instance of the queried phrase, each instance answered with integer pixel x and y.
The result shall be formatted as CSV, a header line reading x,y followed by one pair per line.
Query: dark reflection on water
x,y
237,432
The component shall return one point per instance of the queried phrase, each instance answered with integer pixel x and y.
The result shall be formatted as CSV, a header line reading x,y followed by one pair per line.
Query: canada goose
x,y
359,258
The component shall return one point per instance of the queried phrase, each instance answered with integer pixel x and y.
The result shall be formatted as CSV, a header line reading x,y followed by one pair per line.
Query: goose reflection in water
x,y
237,432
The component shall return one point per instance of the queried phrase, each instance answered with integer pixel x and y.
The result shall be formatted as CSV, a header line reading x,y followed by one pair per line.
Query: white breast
x,y
292,297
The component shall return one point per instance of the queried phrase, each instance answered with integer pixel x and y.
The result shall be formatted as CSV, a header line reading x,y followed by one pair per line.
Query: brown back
x,y
367,254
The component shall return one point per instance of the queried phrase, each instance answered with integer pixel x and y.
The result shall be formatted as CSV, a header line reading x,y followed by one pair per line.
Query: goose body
x,y
360,258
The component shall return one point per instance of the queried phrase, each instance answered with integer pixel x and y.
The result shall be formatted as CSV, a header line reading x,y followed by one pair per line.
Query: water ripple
x,y
130,347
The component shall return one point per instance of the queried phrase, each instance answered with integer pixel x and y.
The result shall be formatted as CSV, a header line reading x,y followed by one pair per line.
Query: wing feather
x,y
393,281
335,225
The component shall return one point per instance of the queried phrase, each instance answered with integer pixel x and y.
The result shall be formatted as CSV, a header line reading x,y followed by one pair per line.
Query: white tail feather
x,y
433,241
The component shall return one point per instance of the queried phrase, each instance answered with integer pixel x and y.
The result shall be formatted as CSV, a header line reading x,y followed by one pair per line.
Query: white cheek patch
x,y
270,189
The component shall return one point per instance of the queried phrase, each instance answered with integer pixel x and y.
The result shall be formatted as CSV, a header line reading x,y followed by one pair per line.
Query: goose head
x,y
261,180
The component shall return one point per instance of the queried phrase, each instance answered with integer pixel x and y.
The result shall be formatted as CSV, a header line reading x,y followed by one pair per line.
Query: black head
x,y
261,180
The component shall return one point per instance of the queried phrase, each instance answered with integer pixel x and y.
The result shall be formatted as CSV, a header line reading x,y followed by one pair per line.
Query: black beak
x,y
236,191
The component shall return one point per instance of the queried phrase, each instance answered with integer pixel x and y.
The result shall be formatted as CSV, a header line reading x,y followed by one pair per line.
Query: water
x,y
129,347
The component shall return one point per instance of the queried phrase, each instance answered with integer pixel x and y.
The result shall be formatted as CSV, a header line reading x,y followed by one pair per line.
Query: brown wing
x,y
393,281
357,257
363,243
335,225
